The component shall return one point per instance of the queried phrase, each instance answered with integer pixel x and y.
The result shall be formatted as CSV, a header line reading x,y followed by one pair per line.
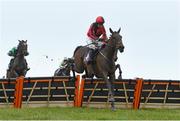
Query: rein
x,y
104,55
106,44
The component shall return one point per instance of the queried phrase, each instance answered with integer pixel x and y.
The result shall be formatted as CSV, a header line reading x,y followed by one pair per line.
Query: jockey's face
x,y
100,24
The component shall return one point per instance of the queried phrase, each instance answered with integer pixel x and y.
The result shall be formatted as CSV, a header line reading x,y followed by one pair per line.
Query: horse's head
x,y
116,40
22,47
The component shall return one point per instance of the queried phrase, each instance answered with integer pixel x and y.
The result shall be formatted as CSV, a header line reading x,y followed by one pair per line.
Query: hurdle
x,y
66,91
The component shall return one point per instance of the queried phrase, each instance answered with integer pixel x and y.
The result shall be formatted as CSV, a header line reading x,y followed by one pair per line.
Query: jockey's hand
x,y
100,39
106,40
103,45
95,42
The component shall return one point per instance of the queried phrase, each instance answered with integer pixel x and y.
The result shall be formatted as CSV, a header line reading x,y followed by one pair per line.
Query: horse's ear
x,y
111,30
119,30
26,41
19,40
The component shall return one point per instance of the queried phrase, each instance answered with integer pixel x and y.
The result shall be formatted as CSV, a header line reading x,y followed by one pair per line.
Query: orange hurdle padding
x,y
137,93
18,92
79,91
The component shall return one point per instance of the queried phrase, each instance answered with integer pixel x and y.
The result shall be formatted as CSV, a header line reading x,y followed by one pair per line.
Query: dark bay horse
x,y
19,66
104,65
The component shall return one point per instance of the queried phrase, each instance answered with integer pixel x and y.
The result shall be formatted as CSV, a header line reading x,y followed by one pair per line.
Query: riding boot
x,y
10,64
95,52
89,57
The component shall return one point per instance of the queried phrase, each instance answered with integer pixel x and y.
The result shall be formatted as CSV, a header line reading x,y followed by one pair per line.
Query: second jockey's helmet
x,y
65,59
100,20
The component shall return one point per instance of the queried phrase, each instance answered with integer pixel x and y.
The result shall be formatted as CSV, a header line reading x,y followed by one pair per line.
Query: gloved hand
x,y
100,39
106,40
103,45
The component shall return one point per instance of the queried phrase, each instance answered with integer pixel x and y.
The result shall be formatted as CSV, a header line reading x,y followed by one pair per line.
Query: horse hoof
x,y
119,77
111,100
84,76
113,108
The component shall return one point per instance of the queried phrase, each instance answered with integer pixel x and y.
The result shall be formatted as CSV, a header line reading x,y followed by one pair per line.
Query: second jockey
x,y
13,53
96,37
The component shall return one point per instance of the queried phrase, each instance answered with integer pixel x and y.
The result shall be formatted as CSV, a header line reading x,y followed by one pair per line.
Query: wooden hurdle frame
x,y
19,88
79,89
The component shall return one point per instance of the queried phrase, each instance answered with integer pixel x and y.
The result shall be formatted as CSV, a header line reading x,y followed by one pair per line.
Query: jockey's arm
x,y
91,32
104,36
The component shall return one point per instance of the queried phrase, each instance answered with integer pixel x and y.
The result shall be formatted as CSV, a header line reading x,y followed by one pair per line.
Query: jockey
x,y
13,53
96,37
64,63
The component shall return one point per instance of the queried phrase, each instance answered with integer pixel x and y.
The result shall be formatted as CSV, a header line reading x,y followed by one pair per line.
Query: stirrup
x,y
89,62
28,69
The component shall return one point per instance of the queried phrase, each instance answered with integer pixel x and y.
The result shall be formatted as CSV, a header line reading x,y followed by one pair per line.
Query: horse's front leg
x,y
111,95
13,74
8,74
120,71
24,72
90,71
109,83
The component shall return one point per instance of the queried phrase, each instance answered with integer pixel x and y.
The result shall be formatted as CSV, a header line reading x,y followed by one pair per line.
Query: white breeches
x,y
94,44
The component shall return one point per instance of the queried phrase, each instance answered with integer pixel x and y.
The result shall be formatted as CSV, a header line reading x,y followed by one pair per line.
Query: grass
x,y
59,113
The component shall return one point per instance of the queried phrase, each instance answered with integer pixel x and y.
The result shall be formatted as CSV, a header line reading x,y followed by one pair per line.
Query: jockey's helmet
x,y
14,49
100,20
65,58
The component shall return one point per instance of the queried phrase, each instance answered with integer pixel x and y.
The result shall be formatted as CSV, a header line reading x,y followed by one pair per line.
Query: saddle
x,y
90,56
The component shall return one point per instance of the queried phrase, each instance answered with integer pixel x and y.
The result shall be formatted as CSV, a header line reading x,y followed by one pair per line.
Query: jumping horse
x,y
104,63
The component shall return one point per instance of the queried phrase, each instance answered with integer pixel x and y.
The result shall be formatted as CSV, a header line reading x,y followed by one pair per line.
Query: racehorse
x,y
19,66
104,63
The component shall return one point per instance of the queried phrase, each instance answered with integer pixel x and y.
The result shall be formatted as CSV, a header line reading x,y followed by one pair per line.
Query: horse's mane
x,y
77,49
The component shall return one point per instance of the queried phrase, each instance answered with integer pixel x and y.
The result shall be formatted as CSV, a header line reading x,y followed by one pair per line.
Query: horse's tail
x,y
76,49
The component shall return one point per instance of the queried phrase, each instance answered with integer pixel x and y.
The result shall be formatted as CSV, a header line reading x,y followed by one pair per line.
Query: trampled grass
x,y
58,113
